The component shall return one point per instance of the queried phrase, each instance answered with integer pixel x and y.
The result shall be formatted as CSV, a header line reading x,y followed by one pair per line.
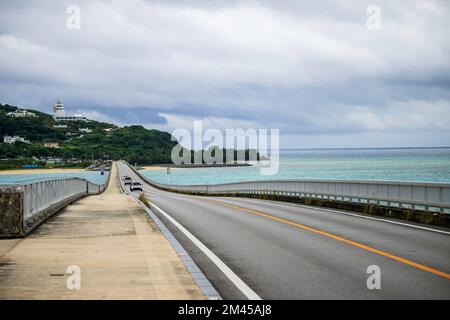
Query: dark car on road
x,y
136,186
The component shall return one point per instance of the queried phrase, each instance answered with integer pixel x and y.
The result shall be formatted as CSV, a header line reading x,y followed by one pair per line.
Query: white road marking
x,y
234,278
357,215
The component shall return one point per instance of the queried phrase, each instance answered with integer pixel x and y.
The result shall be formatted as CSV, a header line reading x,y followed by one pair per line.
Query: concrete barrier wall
x,y
11,204
23,207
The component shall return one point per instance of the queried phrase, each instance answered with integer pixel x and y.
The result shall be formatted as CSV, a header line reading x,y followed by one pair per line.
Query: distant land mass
x,y
80,141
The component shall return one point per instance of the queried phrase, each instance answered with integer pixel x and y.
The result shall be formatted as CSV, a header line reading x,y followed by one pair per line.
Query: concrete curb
x,y
205,285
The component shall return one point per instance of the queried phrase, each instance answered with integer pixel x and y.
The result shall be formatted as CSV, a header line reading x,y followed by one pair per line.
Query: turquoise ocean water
x,y
402,164
92,176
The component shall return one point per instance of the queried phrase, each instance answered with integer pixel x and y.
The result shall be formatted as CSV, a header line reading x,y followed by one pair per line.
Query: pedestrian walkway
x,y
119,250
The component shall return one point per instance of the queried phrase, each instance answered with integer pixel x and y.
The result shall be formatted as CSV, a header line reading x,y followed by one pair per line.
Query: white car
x,y
136,185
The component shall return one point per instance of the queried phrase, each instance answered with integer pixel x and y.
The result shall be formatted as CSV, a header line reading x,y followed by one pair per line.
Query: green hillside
x,y
106,141
133,143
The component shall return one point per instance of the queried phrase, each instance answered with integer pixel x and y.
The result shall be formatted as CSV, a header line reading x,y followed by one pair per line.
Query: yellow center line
x,y
332,236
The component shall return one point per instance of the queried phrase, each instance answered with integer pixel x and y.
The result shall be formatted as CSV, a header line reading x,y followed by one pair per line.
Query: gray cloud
x,y
307,68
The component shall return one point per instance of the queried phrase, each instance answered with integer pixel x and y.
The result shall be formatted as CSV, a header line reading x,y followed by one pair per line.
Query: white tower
x,y
58,110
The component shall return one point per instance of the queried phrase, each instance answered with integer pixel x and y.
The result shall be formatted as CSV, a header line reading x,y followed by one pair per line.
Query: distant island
x,y
33,138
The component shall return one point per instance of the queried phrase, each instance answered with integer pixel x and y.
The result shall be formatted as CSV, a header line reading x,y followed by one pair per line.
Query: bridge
x,y
119,250
240,244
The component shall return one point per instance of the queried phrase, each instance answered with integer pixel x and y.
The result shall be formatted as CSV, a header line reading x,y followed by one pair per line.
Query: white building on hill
x,y
60,126
59,114
51,145
13,139
21,114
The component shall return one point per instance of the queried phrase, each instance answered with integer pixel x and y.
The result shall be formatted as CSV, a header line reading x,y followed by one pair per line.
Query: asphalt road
x,y
289,251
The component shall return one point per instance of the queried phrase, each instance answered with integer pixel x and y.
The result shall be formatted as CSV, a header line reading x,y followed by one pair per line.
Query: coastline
x,y
155,167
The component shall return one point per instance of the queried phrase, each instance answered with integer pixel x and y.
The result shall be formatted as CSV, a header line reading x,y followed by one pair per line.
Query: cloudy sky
x,y
312,69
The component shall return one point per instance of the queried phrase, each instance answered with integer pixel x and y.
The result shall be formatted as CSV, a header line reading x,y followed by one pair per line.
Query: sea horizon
x,y
363,148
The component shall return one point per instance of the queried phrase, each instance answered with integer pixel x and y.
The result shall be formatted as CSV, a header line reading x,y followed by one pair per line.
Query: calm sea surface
x,y
415,164
92,176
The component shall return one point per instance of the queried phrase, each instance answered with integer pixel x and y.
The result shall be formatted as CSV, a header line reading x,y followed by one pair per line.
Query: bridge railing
x,y
412,195
24,206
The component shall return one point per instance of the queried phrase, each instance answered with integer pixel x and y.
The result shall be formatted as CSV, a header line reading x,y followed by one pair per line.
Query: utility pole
x,y
168,174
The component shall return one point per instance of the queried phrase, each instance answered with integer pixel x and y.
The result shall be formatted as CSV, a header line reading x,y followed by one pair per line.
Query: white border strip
x,y
241,285
238,282
383,220
353,215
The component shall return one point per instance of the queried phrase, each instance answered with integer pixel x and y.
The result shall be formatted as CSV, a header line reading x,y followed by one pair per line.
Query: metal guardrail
x,y
412,195
24,206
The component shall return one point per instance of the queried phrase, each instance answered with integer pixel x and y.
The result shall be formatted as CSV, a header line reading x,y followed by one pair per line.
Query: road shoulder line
x,y
338,238
200,279
349,214
238,282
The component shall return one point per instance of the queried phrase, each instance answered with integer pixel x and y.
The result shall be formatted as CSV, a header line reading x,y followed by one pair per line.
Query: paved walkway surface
x,y
120,251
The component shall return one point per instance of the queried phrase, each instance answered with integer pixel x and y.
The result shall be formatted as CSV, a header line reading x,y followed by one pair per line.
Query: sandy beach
x,y
152,168
28,171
